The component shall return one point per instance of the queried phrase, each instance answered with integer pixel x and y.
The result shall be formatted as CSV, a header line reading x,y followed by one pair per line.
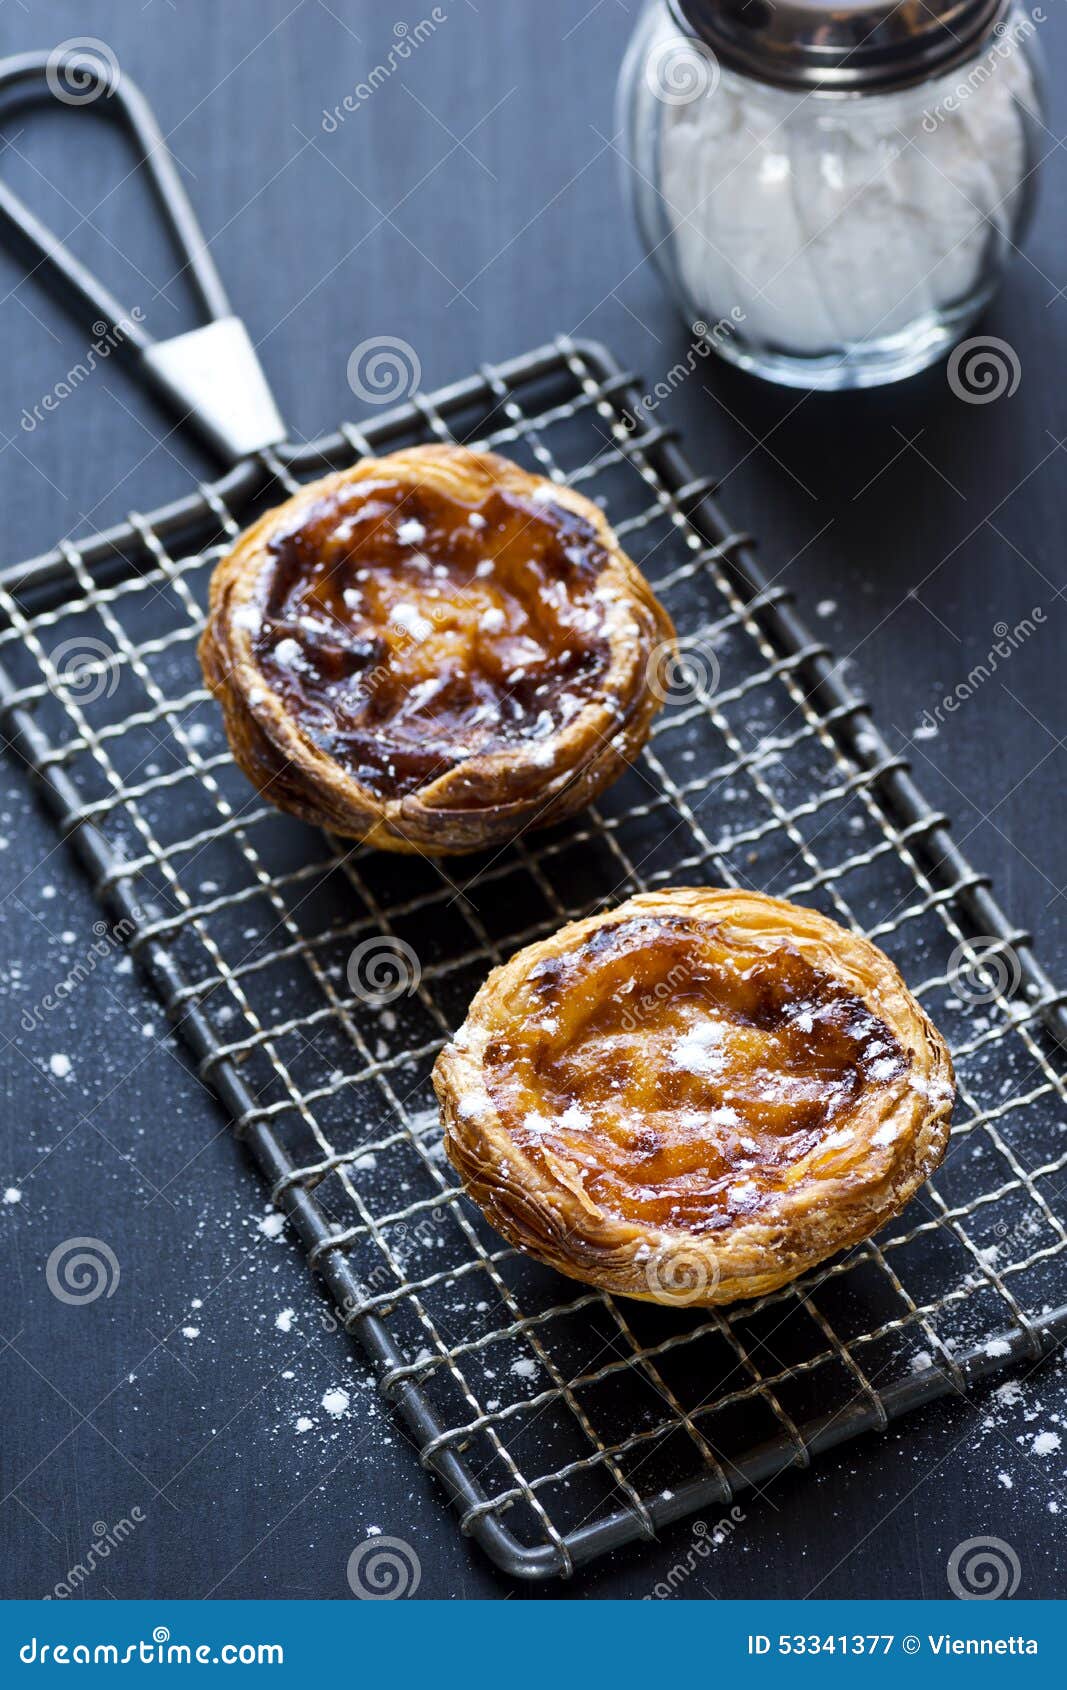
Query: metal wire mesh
x,y
562,1421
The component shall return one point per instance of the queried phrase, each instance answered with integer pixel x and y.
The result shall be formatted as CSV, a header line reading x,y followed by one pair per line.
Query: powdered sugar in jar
x,y
833,190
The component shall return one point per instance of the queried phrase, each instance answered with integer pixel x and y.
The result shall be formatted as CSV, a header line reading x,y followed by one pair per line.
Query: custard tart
x,y
433,651
694,1097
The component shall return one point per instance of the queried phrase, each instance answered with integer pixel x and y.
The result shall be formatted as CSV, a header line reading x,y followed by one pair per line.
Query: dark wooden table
x,y
471,207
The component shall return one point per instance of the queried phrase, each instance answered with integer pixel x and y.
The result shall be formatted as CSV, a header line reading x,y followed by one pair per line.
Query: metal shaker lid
x,y
847,46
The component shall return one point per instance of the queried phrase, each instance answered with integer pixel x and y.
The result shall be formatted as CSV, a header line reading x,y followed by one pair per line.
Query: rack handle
x,y
211,375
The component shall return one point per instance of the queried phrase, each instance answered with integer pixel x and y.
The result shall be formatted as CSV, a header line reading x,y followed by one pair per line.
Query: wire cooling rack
x,y
561,1421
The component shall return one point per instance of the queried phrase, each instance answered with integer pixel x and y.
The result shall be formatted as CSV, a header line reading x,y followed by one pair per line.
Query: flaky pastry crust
x,y
433,651
694,1097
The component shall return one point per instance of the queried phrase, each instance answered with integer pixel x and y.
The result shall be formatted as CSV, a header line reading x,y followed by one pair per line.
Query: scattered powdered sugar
x,y
303,1424
743,1194
724,1116
12,1194
524,1369
886,1134
1046,1443
272,1225
884,1068
288,653
59,1065
836,1140
476,520
284,1320
411,532
336,1402
1008,1394
700,1050
412,622
492,620
575,1118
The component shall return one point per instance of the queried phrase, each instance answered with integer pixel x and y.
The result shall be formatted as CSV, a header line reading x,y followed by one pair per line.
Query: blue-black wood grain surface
x,y
471,207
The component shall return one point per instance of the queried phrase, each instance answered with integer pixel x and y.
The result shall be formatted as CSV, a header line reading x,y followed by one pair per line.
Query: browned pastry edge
x,y
485,799
541,1208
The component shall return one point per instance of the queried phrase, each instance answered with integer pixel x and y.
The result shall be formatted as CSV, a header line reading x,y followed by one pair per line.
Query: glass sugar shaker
x,y
832,190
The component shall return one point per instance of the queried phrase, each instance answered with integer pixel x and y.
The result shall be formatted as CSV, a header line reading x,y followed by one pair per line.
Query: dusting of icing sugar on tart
x,y
444,648
709,1071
